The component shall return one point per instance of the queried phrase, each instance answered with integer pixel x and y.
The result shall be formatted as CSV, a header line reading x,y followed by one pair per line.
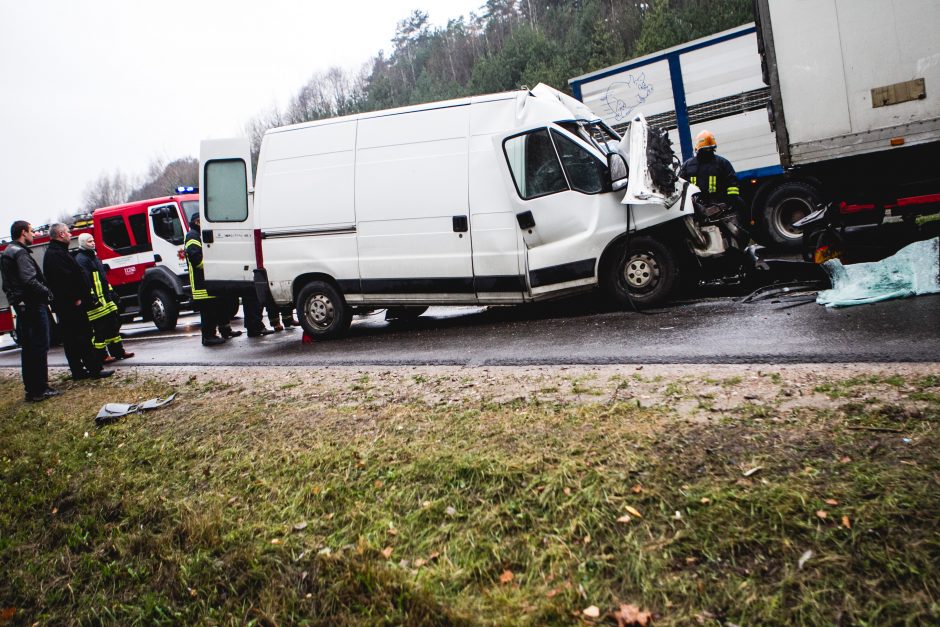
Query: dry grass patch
x,y
377,496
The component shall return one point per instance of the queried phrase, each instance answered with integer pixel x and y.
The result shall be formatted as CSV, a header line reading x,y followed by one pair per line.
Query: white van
x,y
497,199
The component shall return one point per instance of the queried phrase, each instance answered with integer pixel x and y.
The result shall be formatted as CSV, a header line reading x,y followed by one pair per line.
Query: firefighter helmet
x,y
705,139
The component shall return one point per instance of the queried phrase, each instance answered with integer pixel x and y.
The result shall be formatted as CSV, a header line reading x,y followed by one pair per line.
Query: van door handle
x,y
461,225
207,236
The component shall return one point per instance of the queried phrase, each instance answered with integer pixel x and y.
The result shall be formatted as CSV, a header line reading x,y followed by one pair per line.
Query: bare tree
x,y
106,191
163,178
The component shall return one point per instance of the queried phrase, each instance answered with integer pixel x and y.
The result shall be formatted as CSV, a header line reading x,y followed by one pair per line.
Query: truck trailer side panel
x,y
853,74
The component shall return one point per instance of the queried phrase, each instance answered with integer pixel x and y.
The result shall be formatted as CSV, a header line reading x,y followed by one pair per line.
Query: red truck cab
x,y
141,242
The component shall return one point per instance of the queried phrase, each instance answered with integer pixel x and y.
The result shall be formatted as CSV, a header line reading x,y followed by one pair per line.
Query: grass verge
x,y
326,503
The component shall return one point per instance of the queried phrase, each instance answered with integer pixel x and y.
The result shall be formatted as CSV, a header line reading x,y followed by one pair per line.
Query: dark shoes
x,y
260,332
38,398
227,333
213,341
101,374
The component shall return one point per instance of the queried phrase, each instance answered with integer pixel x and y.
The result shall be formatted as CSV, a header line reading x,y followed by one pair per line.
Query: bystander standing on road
x,y
212,311
103,311
29,295
71,298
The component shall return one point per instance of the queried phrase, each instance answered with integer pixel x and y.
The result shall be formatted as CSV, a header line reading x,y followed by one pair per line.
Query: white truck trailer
x,y
828,100
498,199
712,83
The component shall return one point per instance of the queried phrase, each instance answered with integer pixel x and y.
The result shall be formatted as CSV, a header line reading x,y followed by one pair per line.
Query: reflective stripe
x,y
733,191
106,307
198,294
194,242
712,184
692,180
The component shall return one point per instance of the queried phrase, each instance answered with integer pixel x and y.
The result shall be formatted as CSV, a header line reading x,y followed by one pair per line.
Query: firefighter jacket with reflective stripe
x,y
102,301
197,279
713,175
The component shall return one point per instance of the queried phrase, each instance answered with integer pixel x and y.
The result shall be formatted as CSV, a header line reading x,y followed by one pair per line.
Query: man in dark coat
x,y
71,298
29,295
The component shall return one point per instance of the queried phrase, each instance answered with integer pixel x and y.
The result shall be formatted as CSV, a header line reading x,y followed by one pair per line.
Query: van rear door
x,y
225,207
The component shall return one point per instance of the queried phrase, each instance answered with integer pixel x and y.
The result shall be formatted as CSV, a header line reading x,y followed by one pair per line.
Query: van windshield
x,y
597,134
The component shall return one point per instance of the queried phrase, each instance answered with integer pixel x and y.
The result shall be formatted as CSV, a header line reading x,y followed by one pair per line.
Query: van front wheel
x,y
323,311
641,274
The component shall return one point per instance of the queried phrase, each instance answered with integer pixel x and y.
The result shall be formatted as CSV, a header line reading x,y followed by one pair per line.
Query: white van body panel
x,y
418,205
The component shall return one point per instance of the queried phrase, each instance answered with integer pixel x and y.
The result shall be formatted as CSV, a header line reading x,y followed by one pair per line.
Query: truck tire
x,y
322,310
642,273
162,309
404,314
784,206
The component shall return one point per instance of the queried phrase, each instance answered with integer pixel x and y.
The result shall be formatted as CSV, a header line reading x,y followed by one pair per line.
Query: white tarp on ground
x,y
913,270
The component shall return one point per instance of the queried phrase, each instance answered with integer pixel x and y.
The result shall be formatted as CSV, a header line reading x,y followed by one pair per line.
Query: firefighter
x,y
715,177
103,311
212,310
712,174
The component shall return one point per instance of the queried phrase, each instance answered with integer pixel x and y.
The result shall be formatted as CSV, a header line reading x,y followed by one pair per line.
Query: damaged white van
x,y
498,199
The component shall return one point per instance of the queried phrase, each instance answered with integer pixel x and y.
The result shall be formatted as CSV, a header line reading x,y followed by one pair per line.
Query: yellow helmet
x,y
705,139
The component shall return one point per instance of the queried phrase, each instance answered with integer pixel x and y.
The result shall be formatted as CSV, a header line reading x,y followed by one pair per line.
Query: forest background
x,y
507,45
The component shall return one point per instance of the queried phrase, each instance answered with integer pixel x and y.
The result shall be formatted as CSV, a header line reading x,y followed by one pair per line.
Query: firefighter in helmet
x,y
712,174
715,177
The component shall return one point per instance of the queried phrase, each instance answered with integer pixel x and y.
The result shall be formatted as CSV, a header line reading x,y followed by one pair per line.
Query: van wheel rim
x,y
641,272
788,212
320,311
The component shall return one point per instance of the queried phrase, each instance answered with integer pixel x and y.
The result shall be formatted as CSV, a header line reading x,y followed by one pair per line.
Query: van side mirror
x,y
617,166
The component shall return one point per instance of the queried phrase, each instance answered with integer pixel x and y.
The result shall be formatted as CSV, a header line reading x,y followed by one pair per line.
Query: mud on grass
x,y
382,496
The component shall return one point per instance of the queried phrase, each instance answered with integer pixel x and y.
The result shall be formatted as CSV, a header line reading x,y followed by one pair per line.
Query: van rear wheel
x,y
323,311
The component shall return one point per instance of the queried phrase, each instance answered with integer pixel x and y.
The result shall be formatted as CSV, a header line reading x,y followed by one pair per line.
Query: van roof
x,y
539,91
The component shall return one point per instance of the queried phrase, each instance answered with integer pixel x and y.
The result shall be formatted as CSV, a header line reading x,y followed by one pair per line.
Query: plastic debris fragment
x,y
110,412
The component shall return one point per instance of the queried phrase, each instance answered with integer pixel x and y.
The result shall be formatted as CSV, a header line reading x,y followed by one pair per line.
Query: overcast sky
x,y
94,86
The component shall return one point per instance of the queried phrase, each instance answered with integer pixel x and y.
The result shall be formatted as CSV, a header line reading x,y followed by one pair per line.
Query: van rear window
x,y
226,193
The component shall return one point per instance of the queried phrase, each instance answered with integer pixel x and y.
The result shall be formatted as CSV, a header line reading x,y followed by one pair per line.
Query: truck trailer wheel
x,y
163,309
643,275
784,206
323,311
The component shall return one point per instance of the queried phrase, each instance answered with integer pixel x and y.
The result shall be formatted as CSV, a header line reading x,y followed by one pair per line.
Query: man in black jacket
x,y
26,289
71,296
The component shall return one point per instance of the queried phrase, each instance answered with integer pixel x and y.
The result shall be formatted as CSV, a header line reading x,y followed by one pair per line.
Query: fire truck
x,y
141,245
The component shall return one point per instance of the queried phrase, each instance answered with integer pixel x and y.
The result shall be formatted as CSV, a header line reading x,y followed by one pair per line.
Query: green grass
x,y
232,506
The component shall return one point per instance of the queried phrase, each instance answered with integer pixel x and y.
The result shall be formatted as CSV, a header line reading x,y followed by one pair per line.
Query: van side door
x,y
225,206
557,186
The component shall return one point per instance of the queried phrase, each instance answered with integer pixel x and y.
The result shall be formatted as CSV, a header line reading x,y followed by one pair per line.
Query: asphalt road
x,y
789,328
